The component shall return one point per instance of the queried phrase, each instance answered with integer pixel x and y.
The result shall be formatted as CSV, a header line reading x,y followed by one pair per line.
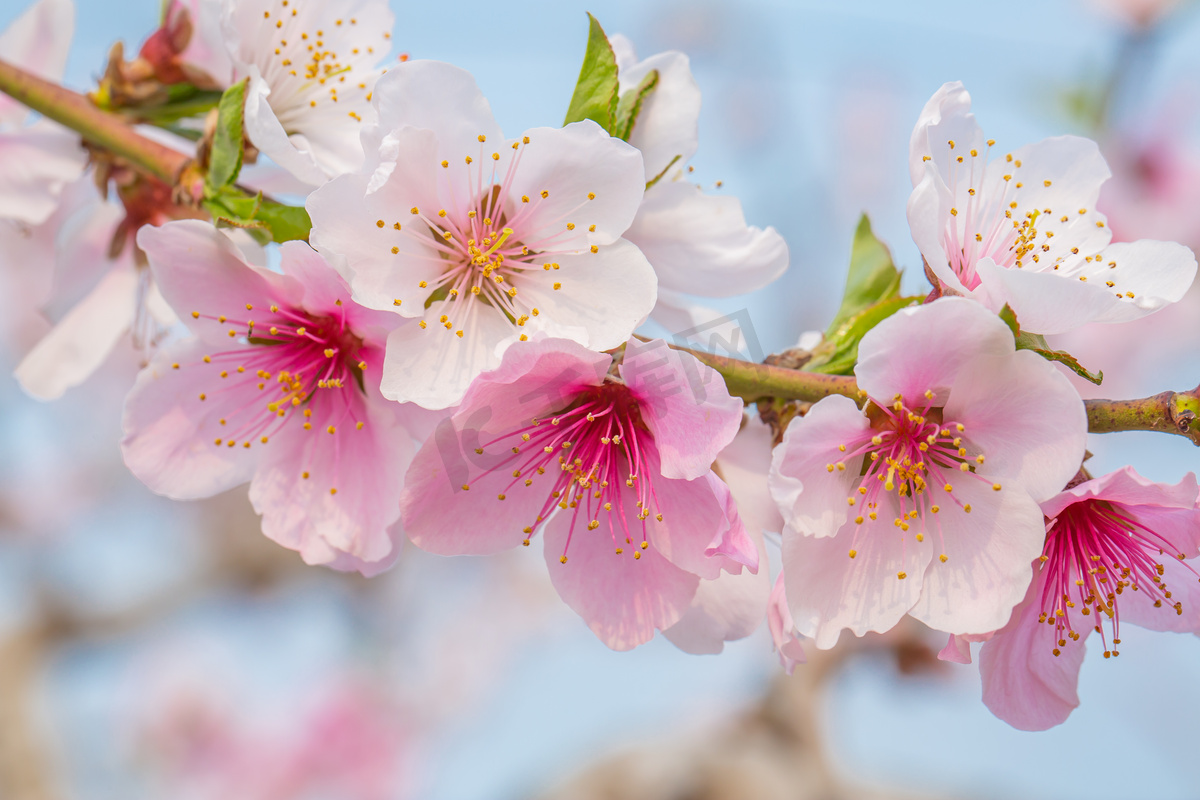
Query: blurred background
x,y
151,649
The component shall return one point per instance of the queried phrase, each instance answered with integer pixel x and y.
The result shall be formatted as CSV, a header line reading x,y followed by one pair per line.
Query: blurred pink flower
x,y
783,630
1115,551
615,471
1024,231
324,452
961,436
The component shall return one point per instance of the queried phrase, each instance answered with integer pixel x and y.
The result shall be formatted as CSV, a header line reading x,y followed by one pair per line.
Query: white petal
x,y
946,117
36,163
700,244
667,128
264,129
82,339
606,294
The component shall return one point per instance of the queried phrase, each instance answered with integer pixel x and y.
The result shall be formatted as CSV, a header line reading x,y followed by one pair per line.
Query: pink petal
x,y
827,590
988,551
367,468
811,498
169,432
198,269
1026,419
923,349
945,117
1024,683
685,405
621,599
783,630
36,163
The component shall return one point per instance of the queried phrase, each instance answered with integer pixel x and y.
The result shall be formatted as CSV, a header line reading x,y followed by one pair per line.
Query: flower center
x,y
592,457
304,70
909,459
1094,551
489,242
293,369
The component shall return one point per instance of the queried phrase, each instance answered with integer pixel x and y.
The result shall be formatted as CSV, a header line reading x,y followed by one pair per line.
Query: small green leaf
x,y
225,158
596,91
1038,344
872,278
838,354
630,105
265,219
1010,319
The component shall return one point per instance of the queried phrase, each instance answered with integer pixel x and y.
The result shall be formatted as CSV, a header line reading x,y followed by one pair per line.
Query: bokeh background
x,y
151,649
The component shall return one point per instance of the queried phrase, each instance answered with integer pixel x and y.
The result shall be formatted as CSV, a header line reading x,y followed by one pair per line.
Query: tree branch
x,y
105,130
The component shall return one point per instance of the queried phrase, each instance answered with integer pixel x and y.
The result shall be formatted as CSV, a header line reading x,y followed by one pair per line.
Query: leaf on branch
x,y
596,91
630,105
873,277
265,219
228,147
838,354
1038,344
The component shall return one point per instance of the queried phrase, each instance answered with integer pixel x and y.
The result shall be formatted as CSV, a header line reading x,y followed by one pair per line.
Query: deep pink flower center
x,y
910,462
486,241
289,371
591,461
1094,552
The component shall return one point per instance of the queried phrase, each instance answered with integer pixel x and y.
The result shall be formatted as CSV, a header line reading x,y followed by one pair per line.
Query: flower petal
x,y
1024,683
1026,419
828,591
36,164
812,498
988,552
700,244
292,490
668,126
199,269
264,129
783,630
621,599
605,295
923,348
685,405
82,339
592,181
169,431
946,117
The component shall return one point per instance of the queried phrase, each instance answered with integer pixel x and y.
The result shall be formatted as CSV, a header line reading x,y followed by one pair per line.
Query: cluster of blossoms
x,y
449,355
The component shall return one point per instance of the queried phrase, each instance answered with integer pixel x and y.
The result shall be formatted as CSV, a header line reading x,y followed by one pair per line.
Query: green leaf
x,y
225,158
873,277
265,219
1038,344
838,354
596,91
630,105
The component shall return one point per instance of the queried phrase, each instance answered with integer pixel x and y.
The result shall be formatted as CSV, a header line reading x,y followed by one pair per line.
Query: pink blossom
x,y
276,388
188,46
925,501
731,606
615,470
698,243
481,239
312,67
1023,230
1116,550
